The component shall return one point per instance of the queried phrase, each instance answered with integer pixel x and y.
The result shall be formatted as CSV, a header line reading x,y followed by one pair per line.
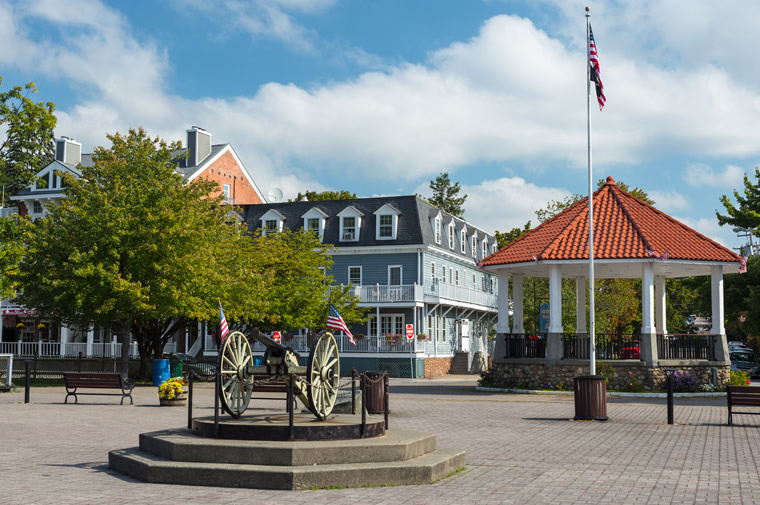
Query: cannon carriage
x,y
315,384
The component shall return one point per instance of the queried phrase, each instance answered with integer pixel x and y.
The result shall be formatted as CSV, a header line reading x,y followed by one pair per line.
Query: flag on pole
x,y
223,328
335,322
594,72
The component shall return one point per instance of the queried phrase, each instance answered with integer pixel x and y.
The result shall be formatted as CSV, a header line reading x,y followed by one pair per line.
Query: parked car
x,y
631,350
746,361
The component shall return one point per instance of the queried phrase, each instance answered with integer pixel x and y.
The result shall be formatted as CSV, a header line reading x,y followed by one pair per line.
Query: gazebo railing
x,y
686,346
607,346
522,345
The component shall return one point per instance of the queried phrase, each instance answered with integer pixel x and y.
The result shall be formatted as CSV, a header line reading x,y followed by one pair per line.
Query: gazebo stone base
x,y
535,374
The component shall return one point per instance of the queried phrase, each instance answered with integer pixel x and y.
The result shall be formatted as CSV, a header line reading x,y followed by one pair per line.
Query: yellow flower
x,y
171,388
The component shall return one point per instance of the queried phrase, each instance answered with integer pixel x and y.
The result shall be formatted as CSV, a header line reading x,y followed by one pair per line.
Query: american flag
x,y
224,329
594,72
335,322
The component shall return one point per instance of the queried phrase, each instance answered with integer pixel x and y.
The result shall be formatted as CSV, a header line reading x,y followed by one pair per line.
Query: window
x,y
450,274
312,224
392,324
37,207
463,240
438,230
473,281
355,275
372,326
444,273
456,278
43,182
494,248
386,226
270,226
474,246
226,191
491,285
394,275
451,235
484,249
349,228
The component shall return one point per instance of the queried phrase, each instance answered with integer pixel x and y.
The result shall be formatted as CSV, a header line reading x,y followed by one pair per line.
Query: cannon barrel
x,y
274,348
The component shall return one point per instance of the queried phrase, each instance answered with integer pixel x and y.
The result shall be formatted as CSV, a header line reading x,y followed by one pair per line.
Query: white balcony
x,y
381,293
442,292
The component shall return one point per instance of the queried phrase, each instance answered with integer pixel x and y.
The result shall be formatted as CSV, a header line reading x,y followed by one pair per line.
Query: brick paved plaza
x,y
521,449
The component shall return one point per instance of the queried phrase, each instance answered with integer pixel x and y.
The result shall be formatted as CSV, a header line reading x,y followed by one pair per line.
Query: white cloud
x,y
504,203
669,201
712,230
700,175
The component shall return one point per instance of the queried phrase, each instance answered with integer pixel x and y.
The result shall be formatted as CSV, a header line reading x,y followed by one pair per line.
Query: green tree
x,y
314,196
29,143
134,243
504,238
746,214
445,195
13,234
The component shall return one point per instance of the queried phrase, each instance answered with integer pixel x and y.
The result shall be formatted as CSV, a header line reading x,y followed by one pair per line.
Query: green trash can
x,y
176,368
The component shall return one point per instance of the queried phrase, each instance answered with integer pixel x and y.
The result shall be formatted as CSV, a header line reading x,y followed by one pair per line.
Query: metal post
x,y
353,391
669,382
190,400
79,362
386,394
363,385
28,384
292,379
217,392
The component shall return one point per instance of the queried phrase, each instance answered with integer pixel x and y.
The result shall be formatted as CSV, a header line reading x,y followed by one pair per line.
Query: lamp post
x,y
746,233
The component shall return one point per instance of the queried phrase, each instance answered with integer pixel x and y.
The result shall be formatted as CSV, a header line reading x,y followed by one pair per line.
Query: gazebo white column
x,y
580,305
64,340
554,339
502,304
517,303
660,311
90,338
648,334
718,313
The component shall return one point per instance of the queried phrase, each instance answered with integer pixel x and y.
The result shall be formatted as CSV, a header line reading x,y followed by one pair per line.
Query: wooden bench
x,y
261,385
742,396
96,380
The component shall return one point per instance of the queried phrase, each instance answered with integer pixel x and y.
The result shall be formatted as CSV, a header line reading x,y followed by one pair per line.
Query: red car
x,y
630,350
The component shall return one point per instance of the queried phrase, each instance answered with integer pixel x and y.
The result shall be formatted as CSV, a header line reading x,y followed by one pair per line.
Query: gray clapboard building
x,y
409,263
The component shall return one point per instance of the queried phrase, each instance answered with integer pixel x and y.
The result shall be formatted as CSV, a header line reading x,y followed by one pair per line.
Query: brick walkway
x,y
521,449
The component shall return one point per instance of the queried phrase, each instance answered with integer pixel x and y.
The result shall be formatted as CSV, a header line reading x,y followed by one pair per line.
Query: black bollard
x,y
353,391
669,383
190,400
28,384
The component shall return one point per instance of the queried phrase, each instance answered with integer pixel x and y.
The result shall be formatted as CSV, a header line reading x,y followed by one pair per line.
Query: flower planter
x,y
178,401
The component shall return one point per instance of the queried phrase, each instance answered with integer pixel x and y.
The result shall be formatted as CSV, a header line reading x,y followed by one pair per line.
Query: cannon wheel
x,y
323,375
234,389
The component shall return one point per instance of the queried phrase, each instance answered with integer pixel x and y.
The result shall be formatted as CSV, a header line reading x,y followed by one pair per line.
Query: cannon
x,y
315,384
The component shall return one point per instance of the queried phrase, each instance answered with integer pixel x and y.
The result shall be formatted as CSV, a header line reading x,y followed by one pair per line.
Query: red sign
x,y
276,337
409,331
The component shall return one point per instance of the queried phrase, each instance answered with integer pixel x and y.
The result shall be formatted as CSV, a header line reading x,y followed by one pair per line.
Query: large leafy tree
x,y
446,195
13,233
746,212
29,143
133,243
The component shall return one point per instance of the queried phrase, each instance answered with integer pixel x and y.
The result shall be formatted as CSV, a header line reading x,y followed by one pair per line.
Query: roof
x,y
414,225
625,228
188,171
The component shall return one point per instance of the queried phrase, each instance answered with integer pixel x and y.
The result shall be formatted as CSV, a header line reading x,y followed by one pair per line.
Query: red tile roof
x,y
624,228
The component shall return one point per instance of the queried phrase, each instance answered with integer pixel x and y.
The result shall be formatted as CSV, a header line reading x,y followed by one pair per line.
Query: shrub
x,y
684,382
707,388
738,378
605,370
486,379
633,385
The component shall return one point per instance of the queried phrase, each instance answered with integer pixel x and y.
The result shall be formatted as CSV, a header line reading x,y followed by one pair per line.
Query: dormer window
x,y
386,218
463,240
43,182
385,226
474,245
314,221
494,248
350,224
437,229
272,222
452,235
484,248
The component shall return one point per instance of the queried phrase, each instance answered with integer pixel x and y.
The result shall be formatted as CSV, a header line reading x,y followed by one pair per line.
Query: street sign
x,y
276,337
409,331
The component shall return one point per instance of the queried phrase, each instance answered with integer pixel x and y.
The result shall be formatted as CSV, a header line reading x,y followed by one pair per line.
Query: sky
x,y
379,98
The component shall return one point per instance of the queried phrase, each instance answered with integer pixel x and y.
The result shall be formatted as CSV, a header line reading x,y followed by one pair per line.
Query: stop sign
x,y
276,337
409,331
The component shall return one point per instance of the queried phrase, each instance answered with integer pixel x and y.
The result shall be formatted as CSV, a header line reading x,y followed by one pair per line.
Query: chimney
x,y
68,150
198,145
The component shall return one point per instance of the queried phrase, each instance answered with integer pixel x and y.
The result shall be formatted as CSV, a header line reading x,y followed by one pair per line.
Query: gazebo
x,y
632,240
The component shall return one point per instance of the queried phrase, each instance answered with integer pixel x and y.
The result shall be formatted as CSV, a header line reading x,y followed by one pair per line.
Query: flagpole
x,y
591,326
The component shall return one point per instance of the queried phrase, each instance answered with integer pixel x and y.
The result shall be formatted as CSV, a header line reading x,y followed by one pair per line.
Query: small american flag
x,y
335,322
224,329
594,72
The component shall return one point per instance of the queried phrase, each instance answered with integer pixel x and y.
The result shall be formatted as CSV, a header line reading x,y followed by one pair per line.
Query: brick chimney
x,y
198,145
68,150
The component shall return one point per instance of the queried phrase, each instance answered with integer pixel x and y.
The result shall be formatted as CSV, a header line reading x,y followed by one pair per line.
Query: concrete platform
x,y
178,457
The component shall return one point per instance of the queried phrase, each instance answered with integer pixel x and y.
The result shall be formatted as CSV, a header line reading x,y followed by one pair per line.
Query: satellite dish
x,y
274,195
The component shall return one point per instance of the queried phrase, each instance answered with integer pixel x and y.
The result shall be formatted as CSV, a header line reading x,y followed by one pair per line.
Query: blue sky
x,y
380,97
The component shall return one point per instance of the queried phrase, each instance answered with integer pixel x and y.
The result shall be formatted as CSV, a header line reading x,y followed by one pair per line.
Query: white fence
x,y
365,345
70,350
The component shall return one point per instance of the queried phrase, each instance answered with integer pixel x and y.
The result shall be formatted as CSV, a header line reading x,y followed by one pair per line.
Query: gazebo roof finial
x,y
610,181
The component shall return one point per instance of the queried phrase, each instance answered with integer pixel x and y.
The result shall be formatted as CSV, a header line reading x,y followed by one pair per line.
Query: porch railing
x,y
520,345
686,346
606,345
67,349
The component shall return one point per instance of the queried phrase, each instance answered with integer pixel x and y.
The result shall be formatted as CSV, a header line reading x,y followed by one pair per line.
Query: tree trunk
x,y
124,337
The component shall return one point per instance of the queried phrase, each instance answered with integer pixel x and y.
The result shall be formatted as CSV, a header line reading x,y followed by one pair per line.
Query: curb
x,y
613,394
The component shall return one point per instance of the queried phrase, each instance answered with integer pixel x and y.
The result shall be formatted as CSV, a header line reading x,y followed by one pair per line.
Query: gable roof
x,y
625,228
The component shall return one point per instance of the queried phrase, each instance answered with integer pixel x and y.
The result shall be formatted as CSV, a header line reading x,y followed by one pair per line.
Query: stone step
x,y
424,469
181,445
